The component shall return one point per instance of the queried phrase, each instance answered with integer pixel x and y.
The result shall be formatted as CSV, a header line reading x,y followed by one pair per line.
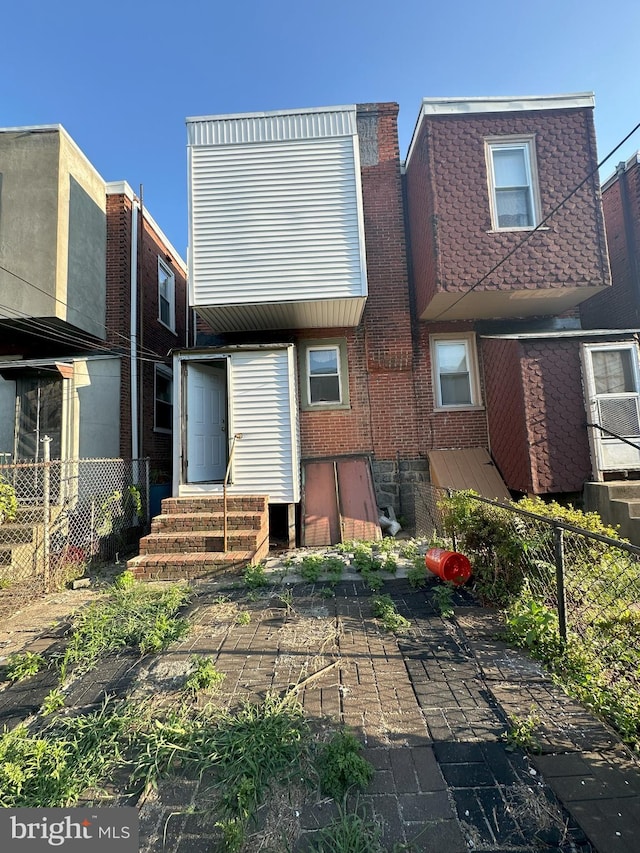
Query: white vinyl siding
x,y
264,411
277,222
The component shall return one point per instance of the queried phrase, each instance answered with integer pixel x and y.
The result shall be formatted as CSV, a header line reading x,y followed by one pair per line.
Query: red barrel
x,y
448,565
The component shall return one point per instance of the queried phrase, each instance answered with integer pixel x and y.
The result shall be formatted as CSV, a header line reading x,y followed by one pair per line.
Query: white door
x,y
206,422
612,383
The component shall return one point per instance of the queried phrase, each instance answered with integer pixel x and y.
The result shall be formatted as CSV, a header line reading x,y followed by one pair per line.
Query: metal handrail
x,y
224,490
614,435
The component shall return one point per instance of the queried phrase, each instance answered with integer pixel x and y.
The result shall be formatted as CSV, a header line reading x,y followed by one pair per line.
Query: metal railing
x,y
588,581
225,534
614,435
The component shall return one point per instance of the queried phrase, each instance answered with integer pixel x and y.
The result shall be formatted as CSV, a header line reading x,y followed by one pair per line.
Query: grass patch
x,y
137,617
21,665
350,832
386,611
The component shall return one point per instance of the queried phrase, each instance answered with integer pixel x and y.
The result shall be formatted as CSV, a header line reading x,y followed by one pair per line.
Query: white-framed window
x,y
166,296
456,380
163,399
513,184
323,374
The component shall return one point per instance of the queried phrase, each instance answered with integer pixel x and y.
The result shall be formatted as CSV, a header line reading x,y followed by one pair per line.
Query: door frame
x,y
596,437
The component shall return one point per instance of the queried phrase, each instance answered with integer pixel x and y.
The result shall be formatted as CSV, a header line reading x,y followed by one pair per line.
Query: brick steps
x,y
214,521
206,564
189,542
186,540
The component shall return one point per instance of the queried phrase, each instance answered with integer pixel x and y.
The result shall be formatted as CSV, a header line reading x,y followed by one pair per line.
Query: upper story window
x,y
513,190
163,399
456,379
166,296
324,378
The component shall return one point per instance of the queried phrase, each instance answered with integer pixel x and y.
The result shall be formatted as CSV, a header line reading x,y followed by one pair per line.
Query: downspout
x,y
629,234
133,330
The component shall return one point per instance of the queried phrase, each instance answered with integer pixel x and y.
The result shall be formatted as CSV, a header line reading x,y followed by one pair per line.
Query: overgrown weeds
x,y
351,832
384,608
204,675
138,617
21,665
341,767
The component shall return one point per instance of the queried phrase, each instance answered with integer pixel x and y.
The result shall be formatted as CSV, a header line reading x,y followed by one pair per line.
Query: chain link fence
x,y
71,515
581,587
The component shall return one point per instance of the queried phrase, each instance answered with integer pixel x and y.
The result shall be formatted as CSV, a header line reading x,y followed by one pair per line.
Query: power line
x,y
60,336
80,313
537,227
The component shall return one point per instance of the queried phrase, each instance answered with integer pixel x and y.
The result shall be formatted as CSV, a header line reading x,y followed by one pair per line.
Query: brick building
x,y
351,305
77,255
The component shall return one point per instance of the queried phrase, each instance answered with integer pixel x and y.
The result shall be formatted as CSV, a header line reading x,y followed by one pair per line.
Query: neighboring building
x,y
426,322
73,250
507,241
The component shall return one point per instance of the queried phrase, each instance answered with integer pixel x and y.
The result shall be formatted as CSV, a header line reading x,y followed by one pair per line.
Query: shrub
x,y
8,501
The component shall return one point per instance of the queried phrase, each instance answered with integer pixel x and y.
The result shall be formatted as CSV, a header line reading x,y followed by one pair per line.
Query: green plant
x,y
53,701
203,676
341,767
350,832
54,767
443,600
136,617
417,574
521,733
21,665
8,501
326,592
243,618
125,580
384,608
372,580
255,576
286,598
311,567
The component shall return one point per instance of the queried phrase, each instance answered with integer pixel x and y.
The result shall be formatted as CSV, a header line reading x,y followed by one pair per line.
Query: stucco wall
x,y
96,410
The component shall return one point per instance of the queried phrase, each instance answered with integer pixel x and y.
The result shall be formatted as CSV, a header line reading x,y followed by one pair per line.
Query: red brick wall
x,y
506,417
118,311
618,307
449,159
443,429
155,340
382,418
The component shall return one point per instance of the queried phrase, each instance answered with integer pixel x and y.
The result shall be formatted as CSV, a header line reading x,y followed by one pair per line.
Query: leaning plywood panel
x,y
358,508
467,468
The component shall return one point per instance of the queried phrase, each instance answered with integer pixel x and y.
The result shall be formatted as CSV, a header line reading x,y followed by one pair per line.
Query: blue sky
x,y
122,75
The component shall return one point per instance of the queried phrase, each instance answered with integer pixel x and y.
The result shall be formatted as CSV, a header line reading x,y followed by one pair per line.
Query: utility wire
x,y
538,226
60,336
149,352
